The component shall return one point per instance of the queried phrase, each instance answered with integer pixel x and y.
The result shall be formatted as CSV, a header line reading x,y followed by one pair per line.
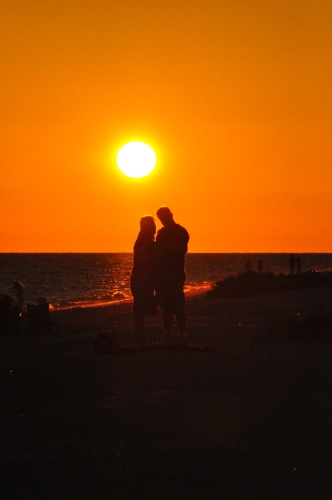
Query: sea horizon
x,y
82,279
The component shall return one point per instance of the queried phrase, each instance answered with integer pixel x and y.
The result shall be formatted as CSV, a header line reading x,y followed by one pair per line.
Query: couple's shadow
x,y
104,343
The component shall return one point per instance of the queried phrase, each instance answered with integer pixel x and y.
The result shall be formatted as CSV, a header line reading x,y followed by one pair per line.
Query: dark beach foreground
x,y
248,419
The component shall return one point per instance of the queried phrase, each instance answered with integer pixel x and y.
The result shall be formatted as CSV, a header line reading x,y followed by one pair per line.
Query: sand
x,y
250,419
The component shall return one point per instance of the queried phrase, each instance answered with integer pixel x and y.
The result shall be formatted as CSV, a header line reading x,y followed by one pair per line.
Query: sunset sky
x,y
234,96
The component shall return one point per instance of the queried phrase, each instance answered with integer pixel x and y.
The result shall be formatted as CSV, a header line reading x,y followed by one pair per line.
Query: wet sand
x,y
251,419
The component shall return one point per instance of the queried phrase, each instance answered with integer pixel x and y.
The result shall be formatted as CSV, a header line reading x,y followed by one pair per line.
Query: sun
x,y
136,159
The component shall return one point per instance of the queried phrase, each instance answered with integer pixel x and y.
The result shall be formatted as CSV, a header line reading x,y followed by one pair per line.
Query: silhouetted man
x,y
171,246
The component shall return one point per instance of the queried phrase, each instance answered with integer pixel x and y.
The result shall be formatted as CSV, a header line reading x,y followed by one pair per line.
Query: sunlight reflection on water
x,y
80,280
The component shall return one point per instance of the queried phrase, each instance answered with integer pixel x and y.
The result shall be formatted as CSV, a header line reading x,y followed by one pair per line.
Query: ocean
x,y
88,279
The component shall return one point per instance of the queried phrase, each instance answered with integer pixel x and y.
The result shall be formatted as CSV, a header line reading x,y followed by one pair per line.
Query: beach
x,y
246,416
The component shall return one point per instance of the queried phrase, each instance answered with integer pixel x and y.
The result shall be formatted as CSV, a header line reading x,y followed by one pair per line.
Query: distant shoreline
x,y
250,284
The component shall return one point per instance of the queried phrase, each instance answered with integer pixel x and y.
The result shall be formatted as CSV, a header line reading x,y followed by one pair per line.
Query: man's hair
x,y
164,213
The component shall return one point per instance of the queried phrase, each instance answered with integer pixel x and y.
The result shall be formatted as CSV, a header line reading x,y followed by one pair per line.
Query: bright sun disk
x,y
136,159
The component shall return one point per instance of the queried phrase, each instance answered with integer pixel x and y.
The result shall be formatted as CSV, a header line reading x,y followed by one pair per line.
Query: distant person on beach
x,y
259,266
171,245
292,263
248,266
298,263
142,281
19,290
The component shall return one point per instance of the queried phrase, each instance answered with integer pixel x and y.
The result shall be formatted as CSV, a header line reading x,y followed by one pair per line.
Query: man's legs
x,y
181,321
167,317
173,303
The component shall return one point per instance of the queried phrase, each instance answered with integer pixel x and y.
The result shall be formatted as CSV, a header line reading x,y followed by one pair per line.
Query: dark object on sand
x,y
251,284
10,316
5,313
39,318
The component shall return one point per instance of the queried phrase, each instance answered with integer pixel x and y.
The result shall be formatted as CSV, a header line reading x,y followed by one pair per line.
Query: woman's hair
x,y
148,226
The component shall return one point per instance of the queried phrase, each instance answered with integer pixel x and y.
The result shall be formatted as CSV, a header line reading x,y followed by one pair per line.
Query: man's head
x,y
165,216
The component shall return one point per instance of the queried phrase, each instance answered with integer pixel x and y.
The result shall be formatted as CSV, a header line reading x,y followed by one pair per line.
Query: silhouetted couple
x,y
158,274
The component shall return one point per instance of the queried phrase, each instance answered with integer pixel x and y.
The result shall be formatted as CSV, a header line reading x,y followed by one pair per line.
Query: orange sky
x,y
235,97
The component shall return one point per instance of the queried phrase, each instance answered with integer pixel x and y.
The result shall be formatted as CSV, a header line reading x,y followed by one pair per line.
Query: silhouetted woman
x,y
142,280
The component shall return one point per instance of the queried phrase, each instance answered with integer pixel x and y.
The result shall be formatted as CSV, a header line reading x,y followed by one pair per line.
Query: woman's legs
x,y
167,317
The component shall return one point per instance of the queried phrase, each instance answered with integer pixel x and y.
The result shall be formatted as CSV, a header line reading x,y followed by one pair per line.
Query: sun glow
x,y
136,159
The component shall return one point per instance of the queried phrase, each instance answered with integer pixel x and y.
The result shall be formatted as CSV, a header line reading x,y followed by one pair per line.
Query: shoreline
x,y
189,292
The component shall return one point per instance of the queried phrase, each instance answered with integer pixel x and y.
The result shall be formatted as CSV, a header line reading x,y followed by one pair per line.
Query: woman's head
x,y
148,226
